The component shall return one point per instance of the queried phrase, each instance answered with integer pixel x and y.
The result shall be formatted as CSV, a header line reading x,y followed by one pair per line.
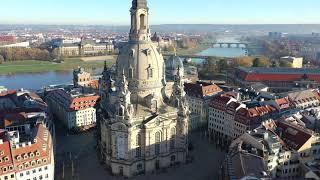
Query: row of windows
x,y
28,173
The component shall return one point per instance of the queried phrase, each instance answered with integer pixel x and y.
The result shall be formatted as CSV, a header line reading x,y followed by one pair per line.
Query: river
x,y
223,51
36,81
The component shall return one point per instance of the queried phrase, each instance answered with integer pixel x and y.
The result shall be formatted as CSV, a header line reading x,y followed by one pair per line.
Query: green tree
x,y
1,59
243,61
285,64
261,62
222,65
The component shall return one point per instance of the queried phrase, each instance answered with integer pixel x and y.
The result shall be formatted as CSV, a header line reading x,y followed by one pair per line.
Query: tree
x,y
1,59
222,65
243,61
285,64
261,62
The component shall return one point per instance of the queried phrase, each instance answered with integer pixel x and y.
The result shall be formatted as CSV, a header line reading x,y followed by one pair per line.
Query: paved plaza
x,y
76,159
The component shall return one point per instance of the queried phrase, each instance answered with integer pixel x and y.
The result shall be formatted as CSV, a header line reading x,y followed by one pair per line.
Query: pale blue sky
x,y
116,12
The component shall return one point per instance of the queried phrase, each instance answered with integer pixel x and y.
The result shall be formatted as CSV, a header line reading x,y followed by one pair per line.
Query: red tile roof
x,y
201,89
244,115
283,103
35,154
8,93
83,102
5,154
94,84
277,74
73,103
293,135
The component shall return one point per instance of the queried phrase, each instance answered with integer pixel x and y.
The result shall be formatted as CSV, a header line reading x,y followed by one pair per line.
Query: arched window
x,y
157,143
150,71
138,140
138,149
142,22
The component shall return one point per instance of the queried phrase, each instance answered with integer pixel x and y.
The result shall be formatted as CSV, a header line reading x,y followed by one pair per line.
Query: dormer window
x,y
25,156
6,159
19,158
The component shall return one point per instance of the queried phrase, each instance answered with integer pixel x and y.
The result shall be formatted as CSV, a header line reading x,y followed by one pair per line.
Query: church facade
x,y
143,127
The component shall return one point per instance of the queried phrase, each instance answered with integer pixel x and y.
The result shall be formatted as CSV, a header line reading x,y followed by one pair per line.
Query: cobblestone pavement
x,y
76,159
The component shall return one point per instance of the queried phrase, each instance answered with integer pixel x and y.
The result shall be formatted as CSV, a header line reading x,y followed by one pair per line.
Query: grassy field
x,y
31,66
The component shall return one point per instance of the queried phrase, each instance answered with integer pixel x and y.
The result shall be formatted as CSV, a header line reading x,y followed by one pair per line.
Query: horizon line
x,y
84,24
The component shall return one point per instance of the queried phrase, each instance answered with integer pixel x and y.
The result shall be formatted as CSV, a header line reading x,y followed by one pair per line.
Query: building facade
x,y
73,108
143,129
26,138
297,62
277,79
199,96
85,49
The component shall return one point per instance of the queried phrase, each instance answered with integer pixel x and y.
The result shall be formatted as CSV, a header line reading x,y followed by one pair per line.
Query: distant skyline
x,y
116,12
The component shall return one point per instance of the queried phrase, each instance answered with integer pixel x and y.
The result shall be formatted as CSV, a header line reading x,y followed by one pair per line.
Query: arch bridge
x,y
227,44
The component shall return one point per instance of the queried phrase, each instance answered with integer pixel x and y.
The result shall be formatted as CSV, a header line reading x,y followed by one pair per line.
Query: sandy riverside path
x,y
99,58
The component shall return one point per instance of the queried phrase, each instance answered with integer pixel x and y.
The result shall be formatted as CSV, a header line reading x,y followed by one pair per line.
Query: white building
x,y
304,99
199,95
27,154
21,44
74,109
297,62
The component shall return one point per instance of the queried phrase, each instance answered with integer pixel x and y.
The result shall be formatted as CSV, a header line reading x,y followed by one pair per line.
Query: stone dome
x,y
143,66
174,62
172,65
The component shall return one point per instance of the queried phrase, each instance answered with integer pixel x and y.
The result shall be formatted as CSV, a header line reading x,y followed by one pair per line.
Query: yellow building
x,y
297,62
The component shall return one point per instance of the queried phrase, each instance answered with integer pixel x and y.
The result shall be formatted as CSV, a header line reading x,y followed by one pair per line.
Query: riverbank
x,y
186,52
34,66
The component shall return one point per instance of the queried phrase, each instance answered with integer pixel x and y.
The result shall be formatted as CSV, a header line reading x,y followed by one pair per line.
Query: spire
x,y
137,4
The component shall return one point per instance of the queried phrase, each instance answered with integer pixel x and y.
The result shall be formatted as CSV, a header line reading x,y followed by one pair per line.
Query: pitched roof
x,y
245,116
293,135
301,96
277,74
36,152
201,89
5,153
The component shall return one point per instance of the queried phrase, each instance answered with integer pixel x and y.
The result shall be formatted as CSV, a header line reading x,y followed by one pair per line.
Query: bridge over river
x,y
227,44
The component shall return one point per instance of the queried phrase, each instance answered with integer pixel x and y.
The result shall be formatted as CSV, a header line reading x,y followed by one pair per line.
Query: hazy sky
x,y
116,12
